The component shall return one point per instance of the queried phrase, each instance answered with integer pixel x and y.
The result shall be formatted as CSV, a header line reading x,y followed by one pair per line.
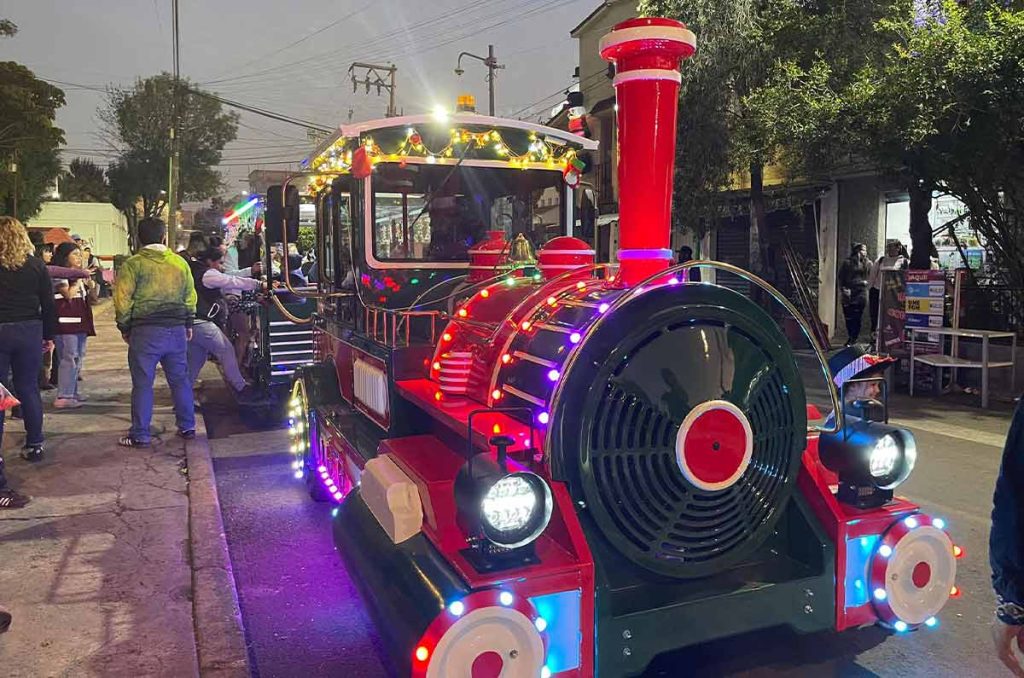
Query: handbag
x,y
7,399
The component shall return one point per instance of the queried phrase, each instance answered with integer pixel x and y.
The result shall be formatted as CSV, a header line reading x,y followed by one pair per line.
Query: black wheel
x,y
314,385
680,426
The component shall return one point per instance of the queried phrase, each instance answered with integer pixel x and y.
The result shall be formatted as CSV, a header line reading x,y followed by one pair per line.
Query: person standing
x,y
686,254
212,316
74,325
1006,548
853,285
154,305
27,324
892,260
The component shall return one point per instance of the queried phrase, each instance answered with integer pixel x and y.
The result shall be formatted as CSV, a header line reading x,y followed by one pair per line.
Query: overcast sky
x,y
292,57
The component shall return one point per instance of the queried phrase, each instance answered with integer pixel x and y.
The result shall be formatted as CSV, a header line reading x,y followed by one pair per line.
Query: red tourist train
x,y
545,466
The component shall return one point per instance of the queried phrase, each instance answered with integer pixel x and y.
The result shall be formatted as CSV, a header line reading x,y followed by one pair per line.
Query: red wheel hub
x,y
487,665
714,445
922,574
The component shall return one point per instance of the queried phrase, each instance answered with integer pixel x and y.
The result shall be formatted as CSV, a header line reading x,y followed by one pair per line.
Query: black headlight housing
x,y
502,511
871,459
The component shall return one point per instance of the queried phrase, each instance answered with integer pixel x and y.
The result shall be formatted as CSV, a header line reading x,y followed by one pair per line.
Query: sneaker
x,y
128,441
66,403
9,499
187,434
5,619
32,453
46,386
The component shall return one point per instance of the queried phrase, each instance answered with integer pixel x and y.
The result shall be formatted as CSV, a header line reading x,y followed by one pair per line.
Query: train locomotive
x,y
544,466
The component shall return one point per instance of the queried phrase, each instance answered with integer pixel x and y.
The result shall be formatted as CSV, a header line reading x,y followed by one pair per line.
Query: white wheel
x,y
913,572
489,642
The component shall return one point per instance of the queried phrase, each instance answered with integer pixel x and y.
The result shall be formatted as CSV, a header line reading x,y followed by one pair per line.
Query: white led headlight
x,y
508,509
871,456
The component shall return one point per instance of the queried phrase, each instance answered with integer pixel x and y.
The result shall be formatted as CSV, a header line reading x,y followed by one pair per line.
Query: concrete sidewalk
x,y
108,568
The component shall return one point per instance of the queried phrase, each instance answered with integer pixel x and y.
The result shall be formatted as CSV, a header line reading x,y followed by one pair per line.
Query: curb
x,y
219,631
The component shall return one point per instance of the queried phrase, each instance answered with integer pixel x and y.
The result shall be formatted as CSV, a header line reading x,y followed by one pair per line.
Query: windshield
x,y
436,213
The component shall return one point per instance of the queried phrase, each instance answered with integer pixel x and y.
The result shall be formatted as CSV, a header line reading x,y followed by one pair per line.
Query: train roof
x,y
448,139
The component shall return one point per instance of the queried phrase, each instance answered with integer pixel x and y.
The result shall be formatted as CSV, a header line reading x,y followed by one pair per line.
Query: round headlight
x,y
884,457
516,509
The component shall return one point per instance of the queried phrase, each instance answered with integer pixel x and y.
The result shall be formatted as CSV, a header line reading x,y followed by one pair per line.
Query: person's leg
x,y
143,355
856,320
67,374
6,338
873,308
25,361
225,354
82,339
199,348
174,359
44,372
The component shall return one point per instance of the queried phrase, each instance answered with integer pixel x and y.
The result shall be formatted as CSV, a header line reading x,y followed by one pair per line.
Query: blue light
x,y
298,475
541,624
505,598
457,608
561,611
939,523
334,512
885,550
900,626
931,622
880,594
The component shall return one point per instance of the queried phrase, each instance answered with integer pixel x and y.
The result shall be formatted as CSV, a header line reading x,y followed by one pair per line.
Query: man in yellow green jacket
x,y
154,304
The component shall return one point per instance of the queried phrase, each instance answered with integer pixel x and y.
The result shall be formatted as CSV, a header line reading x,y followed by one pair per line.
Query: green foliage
x,y
28,139
139,120
84,182
7,28
307,238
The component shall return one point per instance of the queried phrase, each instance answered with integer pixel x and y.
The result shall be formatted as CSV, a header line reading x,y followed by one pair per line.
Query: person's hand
x,y
277,284
1004,637
257,269
47,345
188,334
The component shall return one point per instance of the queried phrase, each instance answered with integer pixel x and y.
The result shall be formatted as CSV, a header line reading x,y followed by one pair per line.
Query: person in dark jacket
x,y
27,325
853,285
686,254
1006,548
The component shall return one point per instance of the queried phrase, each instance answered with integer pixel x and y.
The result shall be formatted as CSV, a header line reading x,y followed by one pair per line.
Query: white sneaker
x,y
66,403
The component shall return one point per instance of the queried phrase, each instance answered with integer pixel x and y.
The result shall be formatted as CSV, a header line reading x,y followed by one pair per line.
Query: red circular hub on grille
x,y
922,575
714,445
487,665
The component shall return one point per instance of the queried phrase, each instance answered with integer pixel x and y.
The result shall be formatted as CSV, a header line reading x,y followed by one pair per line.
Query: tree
x,y
745,50
28,139
84,182
138,122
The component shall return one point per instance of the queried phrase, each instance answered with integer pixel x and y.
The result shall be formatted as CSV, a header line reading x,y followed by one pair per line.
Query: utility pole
x,y
381,77
175,165
491,62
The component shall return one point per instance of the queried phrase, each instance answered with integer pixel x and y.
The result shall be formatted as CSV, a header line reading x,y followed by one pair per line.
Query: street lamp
x,y
491,62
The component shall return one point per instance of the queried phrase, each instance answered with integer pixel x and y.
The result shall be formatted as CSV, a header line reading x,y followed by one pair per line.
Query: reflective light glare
x,y
884,456
911,522
298,475
553,375
885,550
422,653
880,594
939,523
543,417
505,598
900,626
602,308
575,337
541,624
457,608
931,622
509,504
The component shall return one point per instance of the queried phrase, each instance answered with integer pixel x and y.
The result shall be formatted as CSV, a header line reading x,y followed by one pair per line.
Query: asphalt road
x,y
303,616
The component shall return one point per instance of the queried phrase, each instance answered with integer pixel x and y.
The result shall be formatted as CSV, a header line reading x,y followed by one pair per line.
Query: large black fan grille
x,y
632,459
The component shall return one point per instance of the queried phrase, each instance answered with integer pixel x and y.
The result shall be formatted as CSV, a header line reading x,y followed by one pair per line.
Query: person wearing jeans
x,y
27,324
74,326
212,315
154,305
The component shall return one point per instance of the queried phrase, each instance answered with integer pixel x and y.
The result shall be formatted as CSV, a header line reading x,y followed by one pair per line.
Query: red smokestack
x,y
646,54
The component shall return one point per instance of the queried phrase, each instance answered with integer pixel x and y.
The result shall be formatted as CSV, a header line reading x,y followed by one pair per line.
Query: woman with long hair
x,y
74,325
27,323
